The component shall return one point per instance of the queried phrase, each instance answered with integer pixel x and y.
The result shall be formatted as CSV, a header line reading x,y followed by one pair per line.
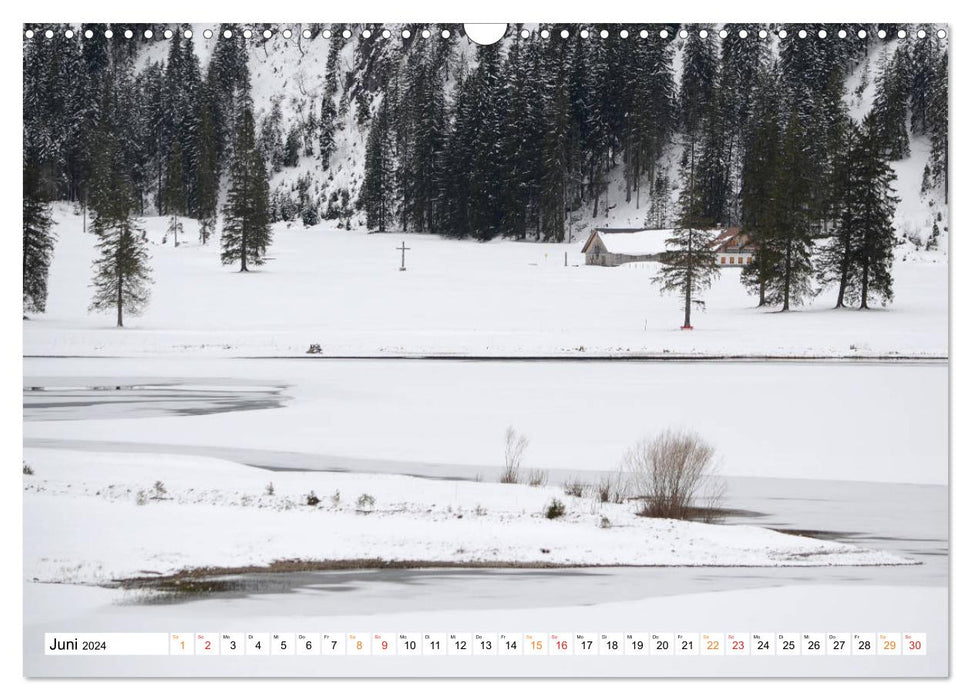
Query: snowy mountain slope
x,y
292,72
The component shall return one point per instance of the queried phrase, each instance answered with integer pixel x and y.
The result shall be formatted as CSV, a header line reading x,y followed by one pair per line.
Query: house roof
x,y
630,241
728,233
734,240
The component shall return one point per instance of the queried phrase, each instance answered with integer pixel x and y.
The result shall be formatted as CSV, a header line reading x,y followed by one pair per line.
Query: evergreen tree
x,y
328,124
697,77
939,125
659,213
688,266
157,128
516,166
421,127
377,190
859,258
227,78
890,103
924,62
649,116
485,175
557,156
246,231
175,200
760,172
207,178
743,62
714,167
38,242
291,149
270,141
455,192
789,243
122,274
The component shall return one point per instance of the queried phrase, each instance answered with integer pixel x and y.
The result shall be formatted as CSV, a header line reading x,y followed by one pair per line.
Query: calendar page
x,y
518,350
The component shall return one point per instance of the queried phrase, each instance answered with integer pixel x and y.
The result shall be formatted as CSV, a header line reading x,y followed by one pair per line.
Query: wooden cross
x,y
402,249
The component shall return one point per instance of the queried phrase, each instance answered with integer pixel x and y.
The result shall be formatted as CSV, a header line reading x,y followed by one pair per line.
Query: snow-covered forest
x,y
795,133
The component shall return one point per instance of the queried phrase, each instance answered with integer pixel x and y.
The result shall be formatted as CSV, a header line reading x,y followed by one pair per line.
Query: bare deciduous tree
x,y
673,473
516,444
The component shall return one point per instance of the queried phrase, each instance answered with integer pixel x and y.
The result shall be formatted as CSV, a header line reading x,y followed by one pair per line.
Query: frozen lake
x,y
855,452
214,408
858,421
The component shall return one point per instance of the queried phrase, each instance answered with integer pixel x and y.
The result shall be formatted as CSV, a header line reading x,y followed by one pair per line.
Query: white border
x,y
446,11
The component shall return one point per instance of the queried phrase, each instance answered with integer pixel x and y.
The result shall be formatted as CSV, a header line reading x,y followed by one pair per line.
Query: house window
x,y
731,261
723,260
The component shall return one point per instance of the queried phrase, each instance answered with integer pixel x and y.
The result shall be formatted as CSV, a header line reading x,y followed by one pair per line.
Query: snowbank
x,y
94,517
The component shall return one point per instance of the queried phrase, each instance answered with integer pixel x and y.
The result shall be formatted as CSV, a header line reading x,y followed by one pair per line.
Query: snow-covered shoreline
x,y
98,517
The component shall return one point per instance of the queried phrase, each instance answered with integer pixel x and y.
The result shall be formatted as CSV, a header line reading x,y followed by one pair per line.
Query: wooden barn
x,y
733,248
609,247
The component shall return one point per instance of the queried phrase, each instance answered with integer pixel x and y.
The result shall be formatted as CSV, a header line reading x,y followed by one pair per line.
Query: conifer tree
x,y
207,177
859,259
455,190
760,171
789,243
291,149
658,214
227,78
246,231
891,101
924,62
328,125
697,77
377,190
121,271
175,200
648,116
557,153
421,128
939,125
38,242
485,175
688,264
521,140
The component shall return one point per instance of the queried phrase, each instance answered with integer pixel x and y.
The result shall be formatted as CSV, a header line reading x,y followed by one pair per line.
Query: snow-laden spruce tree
x,y
891,100
174,194
377,190
38,242
760,167
859,258
207,183
688,265
938,127
788,246
121,271
246,229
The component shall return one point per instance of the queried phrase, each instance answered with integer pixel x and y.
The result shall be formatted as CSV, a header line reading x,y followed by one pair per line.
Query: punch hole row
x,y
525,34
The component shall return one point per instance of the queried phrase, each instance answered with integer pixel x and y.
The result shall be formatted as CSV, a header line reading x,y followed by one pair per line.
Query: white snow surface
x,y
845,421
637,243
85,522
343,290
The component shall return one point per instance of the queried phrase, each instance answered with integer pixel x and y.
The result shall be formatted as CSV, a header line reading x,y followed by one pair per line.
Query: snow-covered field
x,y
343,291
208,512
